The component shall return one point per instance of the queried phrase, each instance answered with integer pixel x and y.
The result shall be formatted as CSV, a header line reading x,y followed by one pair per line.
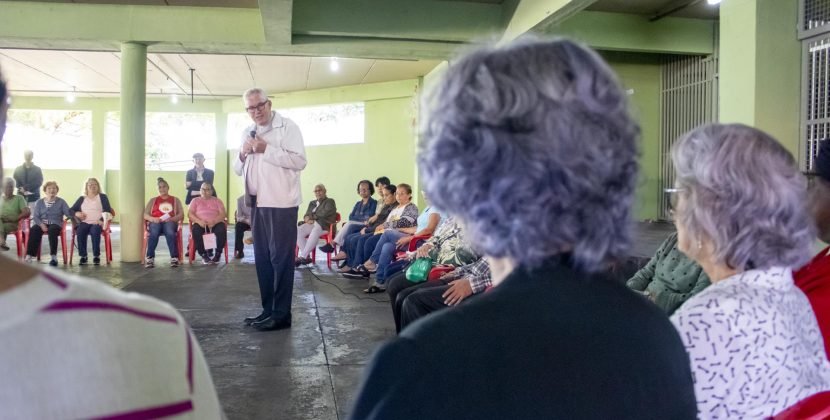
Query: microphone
x,y
253,134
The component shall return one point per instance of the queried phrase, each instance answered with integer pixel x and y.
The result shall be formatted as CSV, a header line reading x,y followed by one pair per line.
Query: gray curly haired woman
x,y
742,215
531,145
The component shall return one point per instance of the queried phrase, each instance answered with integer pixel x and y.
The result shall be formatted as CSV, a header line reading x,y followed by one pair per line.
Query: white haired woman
x,y
90,210
531,146
752,337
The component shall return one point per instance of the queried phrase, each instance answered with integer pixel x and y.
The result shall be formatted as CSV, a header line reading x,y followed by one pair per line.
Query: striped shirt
x,y
77,348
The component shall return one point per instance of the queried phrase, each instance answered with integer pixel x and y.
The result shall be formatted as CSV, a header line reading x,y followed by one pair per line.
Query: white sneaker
x,y
174,262
149,263
29,259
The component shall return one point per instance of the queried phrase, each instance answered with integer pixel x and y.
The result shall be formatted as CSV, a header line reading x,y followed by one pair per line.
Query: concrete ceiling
x,y
97,74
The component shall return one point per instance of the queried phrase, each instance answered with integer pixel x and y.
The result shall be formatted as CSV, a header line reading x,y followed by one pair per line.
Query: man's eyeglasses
x,y
258,107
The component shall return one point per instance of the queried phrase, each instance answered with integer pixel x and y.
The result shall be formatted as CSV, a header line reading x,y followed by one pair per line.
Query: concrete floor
x,y
308,372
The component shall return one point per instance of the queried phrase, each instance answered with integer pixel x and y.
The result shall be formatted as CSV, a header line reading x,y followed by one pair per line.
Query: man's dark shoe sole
x,y
253,319
272,325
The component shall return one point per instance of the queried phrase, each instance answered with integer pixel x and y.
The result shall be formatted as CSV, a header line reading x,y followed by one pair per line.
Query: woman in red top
x,y
814,278
163,214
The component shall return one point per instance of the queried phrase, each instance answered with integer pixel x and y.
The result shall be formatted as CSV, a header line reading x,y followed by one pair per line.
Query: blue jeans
x,y
389,236
359,252
156,229
84,230
385,251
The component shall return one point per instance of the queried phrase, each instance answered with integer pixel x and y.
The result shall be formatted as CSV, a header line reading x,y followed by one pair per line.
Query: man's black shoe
x,y
239,255
327,248
83,261
272,324
259,318
96,261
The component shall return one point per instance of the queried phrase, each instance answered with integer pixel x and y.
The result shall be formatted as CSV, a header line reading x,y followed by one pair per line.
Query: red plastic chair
x,y
21,236
106,234
191,245
814,407
62,242
413,245
329,238
179,241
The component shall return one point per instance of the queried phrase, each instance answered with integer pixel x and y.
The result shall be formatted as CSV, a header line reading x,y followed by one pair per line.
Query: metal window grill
x,y
816,98
689,98
815,14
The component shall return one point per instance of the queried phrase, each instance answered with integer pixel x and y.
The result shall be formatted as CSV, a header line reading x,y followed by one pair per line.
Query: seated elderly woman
x,y
13,209
163,214
47,219
91,209
207,215
532,147
670,277
752,337
364,209
394,240
320,215
402,220
354,247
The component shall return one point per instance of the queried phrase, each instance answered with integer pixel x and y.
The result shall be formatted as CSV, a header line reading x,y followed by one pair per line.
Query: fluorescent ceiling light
x,y
713,2
334,65
174,99
70,96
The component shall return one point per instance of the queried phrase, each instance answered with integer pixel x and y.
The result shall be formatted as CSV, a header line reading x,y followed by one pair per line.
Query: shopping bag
x,y
419,270
209,240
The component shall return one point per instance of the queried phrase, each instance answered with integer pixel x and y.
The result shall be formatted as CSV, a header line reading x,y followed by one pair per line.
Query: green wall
x,y
760,68
388,149
641,73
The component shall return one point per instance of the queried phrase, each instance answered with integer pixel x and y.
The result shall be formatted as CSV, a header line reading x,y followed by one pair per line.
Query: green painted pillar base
x,y
760,67
131,183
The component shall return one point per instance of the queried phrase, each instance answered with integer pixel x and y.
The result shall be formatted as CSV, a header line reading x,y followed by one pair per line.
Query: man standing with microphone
x,y
270,160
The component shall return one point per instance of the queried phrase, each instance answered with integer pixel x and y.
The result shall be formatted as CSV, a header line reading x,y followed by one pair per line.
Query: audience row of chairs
x,y
22,237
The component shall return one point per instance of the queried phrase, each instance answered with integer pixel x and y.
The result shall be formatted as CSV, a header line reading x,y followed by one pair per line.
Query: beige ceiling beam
x,y
538,15
423,20
276,20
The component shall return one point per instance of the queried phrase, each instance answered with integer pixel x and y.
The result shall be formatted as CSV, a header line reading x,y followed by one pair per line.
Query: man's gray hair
x,y
254,91
8,180
742,191
533,147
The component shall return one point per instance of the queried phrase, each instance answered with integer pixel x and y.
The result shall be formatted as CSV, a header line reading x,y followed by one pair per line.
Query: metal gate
x,y
688,98
814,33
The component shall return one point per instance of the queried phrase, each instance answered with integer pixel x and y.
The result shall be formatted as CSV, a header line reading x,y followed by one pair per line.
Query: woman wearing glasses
x,y
753,341
207,215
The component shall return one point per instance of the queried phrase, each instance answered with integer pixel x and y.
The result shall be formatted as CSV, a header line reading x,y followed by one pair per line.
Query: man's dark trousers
x,y
275,233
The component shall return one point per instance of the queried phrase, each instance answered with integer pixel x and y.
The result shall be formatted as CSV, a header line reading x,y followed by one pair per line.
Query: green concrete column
x,y
99,124
760,67
131,185
222,170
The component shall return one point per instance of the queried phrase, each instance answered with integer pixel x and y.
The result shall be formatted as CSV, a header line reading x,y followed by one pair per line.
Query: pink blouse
x,y
207,209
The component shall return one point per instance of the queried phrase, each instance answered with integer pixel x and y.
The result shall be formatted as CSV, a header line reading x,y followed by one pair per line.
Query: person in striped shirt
x,y
78,348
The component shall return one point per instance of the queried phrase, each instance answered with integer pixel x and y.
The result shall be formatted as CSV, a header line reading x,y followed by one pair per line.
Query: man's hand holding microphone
x,y
254,144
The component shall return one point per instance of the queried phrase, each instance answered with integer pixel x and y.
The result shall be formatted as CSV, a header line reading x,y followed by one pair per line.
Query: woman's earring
x,y
699,244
